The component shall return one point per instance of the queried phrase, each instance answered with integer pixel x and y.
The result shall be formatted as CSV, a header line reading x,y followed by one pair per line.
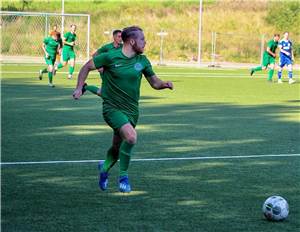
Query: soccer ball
x,y
275,208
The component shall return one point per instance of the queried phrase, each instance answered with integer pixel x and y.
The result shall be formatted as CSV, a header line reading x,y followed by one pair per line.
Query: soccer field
x,y
208,154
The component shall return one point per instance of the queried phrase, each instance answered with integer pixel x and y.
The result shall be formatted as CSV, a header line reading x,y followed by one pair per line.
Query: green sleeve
x,y
66,35
270,44
147,71
46,40
102,50
101,60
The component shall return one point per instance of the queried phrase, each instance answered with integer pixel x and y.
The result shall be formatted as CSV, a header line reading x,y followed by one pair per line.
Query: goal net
x,y
23,33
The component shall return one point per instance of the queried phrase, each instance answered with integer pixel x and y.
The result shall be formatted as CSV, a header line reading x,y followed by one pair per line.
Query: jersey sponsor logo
x,y
118,65
138,67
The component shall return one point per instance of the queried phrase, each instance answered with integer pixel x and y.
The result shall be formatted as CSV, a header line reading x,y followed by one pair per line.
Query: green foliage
x,y
180,19
285,16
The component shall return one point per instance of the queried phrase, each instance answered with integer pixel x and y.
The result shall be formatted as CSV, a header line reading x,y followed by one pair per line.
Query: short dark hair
x,y
130,32
276,35
116,32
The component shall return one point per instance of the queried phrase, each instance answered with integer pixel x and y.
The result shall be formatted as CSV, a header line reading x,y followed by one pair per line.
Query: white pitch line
x,y
152,159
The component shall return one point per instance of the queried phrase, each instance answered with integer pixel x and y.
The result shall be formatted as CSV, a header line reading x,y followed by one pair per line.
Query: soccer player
x,y
50,48
286,57
115,45
121,92
59,39
68,53
268,58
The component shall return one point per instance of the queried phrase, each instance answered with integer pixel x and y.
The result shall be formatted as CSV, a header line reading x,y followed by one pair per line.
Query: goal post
x,y
22,34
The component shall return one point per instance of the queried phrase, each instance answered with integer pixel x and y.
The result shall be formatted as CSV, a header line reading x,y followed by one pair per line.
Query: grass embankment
x,y
240,25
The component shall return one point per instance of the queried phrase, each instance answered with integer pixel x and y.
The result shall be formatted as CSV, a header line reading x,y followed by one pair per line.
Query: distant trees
x,y
285,16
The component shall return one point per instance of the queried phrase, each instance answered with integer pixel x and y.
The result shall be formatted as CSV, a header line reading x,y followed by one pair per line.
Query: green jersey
x,y
272,45
69,37
121,80
108,47
51,46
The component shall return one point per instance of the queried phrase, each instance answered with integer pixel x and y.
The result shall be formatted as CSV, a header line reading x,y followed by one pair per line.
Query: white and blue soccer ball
x,y
275,208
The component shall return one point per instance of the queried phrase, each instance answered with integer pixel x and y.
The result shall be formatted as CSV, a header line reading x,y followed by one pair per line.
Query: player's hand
x,y
77,93
169,85
101,70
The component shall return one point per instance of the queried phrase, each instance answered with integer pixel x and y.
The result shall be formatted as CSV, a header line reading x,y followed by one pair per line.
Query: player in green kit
x,y
68,54
59,39
113,46
50,48
121,92
268,58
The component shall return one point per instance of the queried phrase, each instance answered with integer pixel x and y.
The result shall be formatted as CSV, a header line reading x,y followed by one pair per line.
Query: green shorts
x,y
116,118
50,60
68,54
267,59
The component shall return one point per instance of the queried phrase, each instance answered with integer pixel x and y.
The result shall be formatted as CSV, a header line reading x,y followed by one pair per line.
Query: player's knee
x,y
271,66
131,137
50,68
264,67
290,67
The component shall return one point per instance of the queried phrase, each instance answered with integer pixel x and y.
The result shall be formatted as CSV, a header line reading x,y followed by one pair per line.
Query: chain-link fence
x,y
23,32
231,47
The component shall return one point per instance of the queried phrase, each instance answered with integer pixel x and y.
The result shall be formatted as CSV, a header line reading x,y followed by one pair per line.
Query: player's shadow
x,y
172,194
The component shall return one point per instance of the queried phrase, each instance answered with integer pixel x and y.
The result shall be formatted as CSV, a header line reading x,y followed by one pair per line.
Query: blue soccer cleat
x,y
124,185
103,177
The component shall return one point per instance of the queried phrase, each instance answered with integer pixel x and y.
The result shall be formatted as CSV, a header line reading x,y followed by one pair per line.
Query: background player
x,y
68,53
50,48
286,57
268,58
113,46
59,39
121,92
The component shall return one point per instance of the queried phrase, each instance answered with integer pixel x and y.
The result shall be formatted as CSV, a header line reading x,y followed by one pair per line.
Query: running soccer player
x,y
68,53
121,92
286,57
50,48
268,58
115,45
59,39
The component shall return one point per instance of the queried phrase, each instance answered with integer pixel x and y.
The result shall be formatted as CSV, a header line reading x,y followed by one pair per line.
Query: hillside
x,y
239,24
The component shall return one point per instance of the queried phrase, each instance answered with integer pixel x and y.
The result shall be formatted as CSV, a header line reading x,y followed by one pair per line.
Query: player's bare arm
x,y
82,76
158,84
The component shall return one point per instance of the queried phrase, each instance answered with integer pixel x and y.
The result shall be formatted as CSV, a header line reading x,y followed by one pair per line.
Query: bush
x,y
285,16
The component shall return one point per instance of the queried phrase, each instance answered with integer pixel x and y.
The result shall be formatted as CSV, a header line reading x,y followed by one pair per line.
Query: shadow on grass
x,y
168,196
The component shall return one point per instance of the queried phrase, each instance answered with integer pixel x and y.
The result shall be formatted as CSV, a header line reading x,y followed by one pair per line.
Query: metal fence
x,y
23,32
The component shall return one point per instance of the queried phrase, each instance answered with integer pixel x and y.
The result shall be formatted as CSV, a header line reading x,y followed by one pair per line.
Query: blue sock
x,y
279,74
290,74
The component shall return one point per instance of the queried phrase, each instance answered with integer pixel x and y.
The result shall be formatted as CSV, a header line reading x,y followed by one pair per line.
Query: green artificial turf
x,y
210,113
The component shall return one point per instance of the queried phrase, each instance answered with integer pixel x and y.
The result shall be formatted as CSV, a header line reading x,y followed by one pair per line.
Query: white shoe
x,y
41,74
70,76
51,85
280,81
291,81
